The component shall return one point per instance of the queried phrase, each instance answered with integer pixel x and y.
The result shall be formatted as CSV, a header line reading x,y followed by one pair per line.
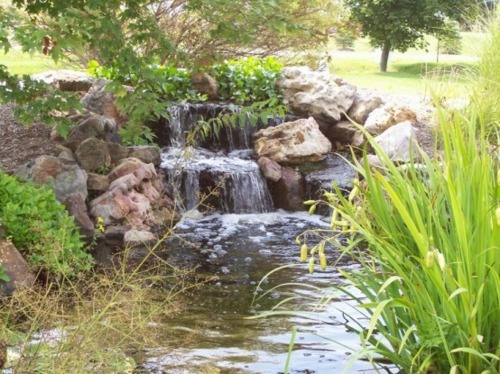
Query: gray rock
x,y
146,153
92,154
66,80
399,142
99,101
342,132
316,94
384,117
270,169
364,103
76,207
97,182
205,84
290,191
66,178
92,125
117,152
292,142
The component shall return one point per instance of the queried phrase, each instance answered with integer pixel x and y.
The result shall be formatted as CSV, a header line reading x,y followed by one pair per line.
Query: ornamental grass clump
x,y
428,238
430,250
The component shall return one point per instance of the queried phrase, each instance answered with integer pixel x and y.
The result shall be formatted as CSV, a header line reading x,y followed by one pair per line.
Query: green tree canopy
x,y
130,35
402,24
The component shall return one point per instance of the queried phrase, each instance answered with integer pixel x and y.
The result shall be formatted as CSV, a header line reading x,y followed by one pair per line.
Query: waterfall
x,y
226,183
184,118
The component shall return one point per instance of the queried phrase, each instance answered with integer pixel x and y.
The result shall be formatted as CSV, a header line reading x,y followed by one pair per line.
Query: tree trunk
x,y
384,57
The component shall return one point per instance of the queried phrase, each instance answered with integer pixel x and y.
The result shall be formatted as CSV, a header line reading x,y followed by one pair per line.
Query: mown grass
x,y
21,63
404,76
471,45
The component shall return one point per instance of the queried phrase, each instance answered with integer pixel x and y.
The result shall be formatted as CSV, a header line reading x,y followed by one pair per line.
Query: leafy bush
x,y
41,228
244,81
248,80
155,86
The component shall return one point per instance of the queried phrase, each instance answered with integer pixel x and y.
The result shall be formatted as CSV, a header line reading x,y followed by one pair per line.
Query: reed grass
x,y
428,238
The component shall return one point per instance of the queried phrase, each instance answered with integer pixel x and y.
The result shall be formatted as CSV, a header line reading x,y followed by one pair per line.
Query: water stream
x,y
240,249
239,244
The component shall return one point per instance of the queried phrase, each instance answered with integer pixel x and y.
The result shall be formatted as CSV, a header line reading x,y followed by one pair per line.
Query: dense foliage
x,y
402,24
41,228
248,80
132,36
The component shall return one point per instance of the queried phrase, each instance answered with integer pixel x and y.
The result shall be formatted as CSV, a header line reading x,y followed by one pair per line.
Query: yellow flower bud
x,y
303,253
311,265
322,260
441,260
497,213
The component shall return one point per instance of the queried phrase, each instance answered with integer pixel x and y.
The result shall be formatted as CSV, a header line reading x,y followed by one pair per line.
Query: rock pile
x,y
98,179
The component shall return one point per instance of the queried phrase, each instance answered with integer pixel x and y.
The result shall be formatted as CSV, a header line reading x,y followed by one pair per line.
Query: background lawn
x,y
415,72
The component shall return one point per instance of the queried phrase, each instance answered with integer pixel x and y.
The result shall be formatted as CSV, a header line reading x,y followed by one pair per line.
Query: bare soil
x,y
20,144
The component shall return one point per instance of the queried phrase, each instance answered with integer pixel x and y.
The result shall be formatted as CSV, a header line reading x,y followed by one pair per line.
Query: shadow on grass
x,y
432,69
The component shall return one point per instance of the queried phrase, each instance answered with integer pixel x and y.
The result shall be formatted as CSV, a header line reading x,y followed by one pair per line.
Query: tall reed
x,y
428,237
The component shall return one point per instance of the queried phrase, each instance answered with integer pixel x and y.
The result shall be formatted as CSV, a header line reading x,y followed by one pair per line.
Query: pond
x,y
214,330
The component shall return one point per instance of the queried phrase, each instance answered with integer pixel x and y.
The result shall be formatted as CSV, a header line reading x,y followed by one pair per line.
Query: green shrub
x,y
155,87
244,81
41,228
248,80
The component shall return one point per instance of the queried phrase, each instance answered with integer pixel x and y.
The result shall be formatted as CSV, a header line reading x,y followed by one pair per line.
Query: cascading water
x,y
230,183
242,250
225,182
183,118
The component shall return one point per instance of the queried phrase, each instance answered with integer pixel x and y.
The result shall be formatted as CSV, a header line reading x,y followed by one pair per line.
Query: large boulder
x,y
342,133
316,94
133,197
139,169
66,178
15,267
270,169
148,154
76,207
93,155
66,80
364,103
205,84
70,186
292,142
384,117
92,125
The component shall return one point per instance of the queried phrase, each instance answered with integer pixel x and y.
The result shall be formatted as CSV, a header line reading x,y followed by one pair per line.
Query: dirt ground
x,y
20,144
